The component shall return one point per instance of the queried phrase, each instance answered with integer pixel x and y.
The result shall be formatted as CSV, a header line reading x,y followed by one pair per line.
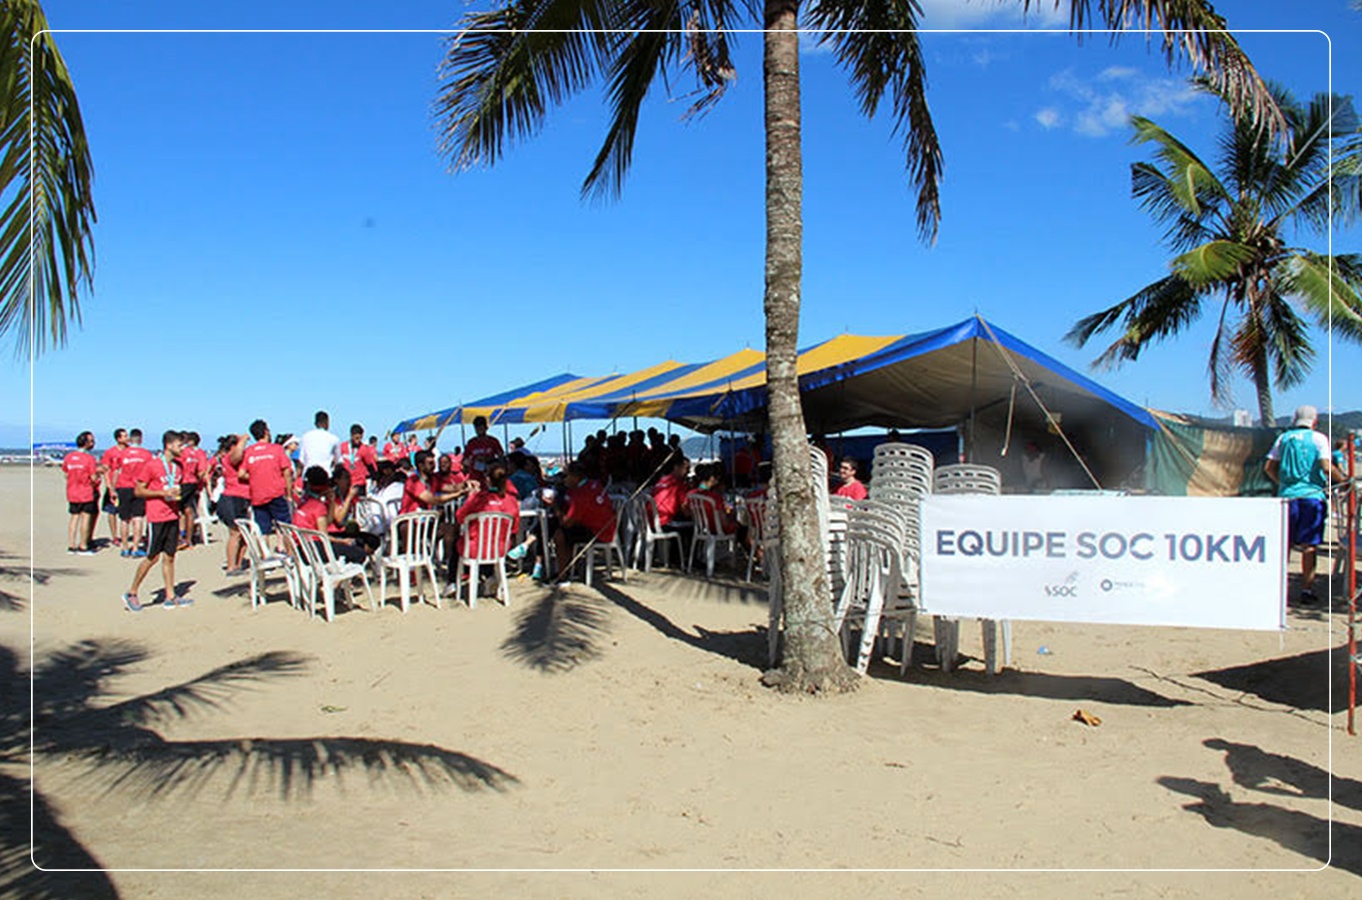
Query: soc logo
x,y
1068,589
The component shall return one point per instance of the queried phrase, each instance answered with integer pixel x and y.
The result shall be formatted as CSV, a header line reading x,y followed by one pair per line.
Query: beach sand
x,y
626,729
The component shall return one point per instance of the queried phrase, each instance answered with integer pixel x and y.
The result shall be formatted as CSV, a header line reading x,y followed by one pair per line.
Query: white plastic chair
x,y
327,571
756,531
650,533
493,532
967,478
410,551
262,561
610,550
202,517
704,512
874,550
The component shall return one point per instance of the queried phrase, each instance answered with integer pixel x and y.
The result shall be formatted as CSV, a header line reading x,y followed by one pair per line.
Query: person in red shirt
x,y
744,464
109,464
445,477
669,494
493,496
82,477
157,484
194,464
711,486
268,472
359,458
132,509
852,487
589,515
235,500
392,450
481,449
317,511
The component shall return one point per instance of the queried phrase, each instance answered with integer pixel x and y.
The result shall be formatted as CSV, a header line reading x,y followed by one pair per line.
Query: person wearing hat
x,y
1300,465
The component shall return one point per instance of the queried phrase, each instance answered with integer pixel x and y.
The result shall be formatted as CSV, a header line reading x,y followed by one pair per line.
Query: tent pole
x,y
973,391
506,435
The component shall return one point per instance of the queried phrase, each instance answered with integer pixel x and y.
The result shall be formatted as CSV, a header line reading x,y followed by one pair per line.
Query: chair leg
x,y
989,629
909,629
434,584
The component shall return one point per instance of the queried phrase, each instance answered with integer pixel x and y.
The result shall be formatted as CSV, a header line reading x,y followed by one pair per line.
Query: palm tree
x,y
509,65
42,266
1230,228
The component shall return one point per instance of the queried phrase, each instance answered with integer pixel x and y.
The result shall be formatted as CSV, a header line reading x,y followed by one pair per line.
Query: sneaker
x,y
452,589
131,603
1308,597
85,551
169,603
125,553
70,551
138,554
518,551
538,573
184,600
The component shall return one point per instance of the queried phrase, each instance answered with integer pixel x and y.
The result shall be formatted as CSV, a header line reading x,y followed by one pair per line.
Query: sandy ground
x,y
626,729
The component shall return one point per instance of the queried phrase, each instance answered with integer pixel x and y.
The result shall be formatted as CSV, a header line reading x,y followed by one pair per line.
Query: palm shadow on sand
x,y
111,745
1301,681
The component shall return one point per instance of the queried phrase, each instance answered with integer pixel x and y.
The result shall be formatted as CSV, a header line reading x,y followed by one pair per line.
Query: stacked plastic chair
x,y
901,476
967,478
771,549
875,540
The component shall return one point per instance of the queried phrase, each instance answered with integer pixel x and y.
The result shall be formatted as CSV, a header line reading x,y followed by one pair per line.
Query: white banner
x,y
1206,562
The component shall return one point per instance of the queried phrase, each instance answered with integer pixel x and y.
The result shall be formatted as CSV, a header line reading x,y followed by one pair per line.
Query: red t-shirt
x,y
269,470
478,451
112,461
194,461
589,507
486,501
361,461
81,476
309,513
411,499
441,483
852,490
133,458
669,495
152,473
232,485
392,452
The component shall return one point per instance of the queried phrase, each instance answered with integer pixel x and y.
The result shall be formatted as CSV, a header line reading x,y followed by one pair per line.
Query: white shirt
x,y
319,448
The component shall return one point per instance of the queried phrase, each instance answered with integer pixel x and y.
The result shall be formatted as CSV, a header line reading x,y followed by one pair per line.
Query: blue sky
x,y
278,234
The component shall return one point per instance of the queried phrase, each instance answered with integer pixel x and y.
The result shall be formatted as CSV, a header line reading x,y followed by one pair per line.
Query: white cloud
x,y
1104,104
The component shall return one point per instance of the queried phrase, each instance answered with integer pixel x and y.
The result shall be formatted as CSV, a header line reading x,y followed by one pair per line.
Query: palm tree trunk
x,y
1262,383
811,659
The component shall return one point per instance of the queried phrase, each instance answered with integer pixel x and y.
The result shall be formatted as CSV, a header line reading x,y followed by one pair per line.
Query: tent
x,y
999,390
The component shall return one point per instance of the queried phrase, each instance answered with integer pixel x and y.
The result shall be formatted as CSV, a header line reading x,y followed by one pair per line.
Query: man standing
x,y
481,449
319,447
82,477
132,509
157,485
1300,464
359,458
194,466
109,464
268,472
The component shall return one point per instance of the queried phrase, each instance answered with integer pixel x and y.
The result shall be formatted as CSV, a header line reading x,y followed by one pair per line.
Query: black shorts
x,y
110,505
165,537
87,506
232,508
130,506
189,496
577,534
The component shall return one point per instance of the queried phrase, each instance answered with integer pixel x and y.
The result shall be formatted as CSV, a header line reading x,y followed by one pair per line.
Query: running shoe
x,y
138,554
518,551
131,603
184,600
85,551
168,603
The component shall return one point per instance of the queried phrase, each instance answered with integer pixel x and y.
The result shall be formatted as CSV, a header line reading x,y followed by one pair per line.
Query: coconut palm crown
x,y
1232,226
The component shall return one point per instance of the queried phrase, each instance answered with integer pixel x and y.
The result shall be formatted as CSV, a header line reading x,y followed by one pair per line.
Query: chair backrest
x,y
906,467
306,546
756,519
253,538
412,535
487,536
370,515
887,454
967,478
705,513
647,506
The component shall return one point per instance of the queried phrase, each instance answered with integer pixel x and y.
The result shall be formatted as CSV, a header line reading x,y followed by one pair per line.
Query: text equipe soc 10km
x,y
1111,545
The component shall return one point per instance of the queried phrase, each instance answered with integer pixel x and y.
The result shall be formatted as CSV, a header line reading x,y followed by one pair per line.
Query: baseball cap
x,y
1305,415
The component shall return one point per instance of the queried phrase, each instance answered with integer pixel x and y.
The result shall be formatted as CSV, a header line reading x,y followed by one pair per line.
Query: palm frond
x,y
1220,364
655,34
1330,289
45,160
877,44
508,66
1211,263
1192,30
1287,340
1155,312
1183,186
